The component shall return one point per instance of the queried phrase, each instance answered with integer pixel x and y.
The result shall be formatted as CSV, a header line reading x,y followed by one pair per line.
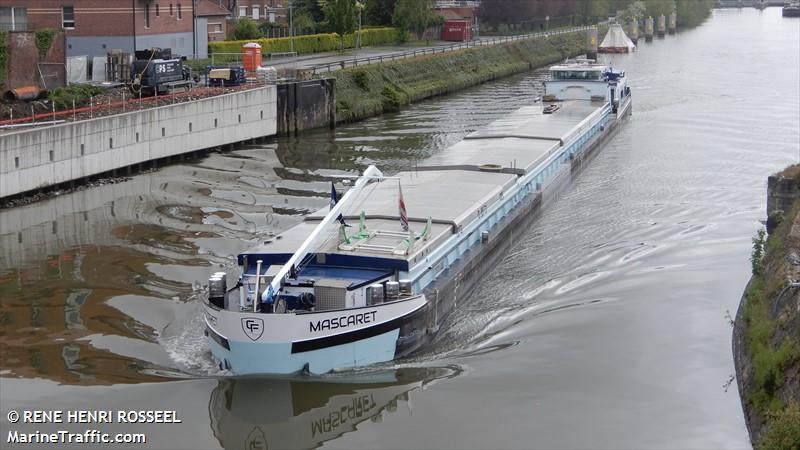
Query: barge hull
x,y
444,294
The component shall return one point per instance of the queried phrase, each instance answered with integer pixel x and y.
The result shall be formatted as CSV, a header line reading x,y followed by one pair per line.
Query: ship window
x,y
576,75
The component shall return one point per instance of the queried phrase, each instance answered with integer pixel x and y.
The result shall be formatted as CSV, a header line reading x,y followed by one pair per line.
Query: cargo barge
x,y
370,278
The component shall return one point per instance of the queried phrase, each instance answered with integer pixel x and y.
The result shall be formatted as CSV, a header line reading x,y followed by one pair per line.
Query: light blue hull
x,y
248,358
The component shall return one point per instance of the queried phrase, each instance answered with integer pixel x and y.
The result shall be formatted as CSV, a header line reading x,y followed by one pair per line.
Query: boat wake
x,y
184,340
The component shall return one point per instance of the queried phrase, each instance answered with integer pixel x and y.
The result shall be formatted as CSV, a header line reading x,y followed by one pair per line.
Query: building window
x,y
216,28
68,17
180,16
256,10
13,18
158,11
242,11
171,12
147,15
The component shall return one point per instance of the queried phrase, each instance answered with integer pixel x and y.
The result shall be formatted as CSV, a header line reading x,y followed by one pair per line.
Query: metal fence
x,y
329,67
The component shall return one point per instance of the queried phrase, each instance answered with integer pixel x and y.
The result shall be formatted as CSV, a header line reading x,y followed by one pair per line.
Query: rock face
x,y
766,335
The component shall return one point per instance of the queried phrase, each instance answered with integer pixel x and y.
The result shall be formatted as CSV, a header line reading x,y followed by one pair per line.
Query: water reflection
x,y
301,413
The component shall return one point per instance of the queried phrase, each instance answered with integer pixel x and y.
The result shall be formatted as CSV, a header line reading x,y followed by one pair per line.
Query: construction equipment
x,y
225,76
156,72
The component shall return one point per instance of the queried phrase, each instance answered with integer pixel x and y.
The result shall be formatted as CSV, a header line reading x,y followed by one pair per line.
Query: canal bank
x,y
766,336
363,92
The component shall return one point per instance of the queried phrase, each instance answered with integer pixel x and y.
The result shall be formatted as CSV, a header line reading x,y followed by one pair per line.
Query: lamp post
x,y
359,7
291,28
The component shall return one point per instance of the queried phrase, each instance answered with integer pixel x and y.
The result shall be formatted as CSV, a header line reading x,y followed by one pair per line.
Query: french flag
x,y
403,213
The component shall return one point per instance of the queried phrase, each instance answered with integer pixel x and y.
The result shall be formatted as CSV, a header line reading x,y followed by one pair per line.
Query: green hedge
x,y
310,43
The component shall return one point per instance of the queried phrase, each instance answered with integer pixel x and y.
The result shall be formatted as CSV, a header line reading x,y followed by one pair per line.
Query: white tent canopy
x,y
616,40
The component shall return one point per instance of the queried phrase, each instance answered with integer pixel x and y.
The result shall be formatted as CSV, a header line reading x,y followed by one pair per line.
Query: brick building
x,y
262,10
93,27
213,16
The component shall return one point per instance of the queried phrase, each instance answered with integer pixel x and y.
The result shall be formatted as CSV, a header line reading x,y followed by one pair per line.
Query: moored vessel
x,y
371,277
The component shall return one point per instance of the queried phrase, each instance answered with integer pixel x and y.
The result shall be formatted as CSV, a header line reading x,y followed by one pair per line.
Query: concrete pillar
x,y
591,43
633,32
648,29
662,26
673,22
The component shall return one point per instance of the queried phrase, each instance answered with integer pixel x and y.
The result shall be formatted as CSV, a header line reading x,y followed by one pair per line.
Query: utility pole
x,y
359,7
291,28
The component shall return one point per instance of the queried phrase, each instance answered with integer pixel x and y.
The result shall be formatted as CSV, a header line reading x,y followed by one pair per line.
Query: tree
x,y
378,12
413,16
246,28
342,17
310,7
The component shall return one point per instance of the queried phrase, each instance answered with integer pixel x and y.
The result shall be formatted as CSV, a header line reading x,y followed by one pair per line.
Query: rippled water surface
x,y
607,326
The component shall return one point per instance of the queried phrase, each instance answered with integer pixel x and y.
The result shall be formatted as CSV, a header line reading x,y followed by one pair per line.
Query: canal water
x,y
607,326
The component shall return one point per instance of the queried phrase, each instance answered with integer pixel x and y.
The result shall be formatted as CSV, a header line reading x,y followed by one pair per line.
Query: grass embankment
x,y
371,90
772,336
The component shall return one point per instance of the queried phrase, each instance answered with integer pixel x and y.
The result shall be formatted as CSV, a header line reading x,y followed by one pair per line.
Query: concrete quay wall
x,y
42,157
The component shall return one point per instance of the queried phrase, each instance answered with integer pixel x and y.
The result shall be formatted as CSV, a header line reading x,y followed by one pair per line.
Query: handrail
x,y
275,285
328,67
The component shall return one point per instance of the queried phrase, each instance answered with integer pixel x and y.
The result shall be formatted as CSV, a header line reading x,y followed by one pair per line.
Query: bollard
x,y
648,29
662,25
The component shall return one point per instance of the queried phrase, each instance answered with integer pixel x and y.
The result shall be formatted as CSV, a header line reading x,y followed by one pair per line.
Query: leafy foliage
x,y
365,91
246,28
310,43
310,7
693,12
44,40
413,16
342,17
757,255
783,432
3,58
378,12
79,93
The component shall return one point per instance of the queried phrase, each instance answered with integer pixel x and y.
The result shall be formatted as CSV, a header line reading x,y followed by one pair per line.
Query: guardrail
x,y
329,67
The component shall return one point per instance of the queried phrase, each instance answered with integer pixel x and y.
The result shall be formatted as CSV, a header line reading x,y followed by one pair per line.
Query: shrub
x,y
44,40
80,93
310,43
246,29
783,431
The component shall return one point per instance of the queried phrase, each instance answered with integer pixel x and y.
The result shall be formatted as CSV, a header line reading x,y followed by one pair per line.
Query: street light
x,y
359,7
291,28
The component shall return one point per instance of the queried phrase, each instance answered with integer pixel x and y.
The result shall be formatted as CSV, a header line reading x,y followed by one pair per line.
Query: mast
x,y
371,172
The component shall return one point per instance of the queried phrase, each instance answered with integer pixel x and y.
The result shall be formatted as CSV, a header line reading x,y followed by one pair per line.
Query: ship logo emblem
x,y
253,327
256,439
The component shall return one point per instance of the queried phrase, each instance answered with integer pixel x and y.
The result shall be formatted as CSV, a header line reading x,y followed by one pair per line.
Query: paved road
x,y
330,61
317,59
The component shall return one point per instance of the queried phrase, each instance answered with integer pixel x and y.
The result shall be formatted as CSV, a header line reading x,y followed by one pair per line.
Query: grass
x,y
783,431
79,93
772,348
367,91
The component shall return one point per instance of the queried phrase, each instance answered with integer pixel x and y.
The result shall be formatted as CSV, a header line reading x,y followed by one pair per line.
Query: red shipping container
x,y
456,30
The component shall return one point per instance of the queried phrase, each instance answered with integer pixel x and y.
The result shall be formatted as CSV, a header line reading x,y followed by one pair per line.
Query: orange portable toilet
x,y
251,56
